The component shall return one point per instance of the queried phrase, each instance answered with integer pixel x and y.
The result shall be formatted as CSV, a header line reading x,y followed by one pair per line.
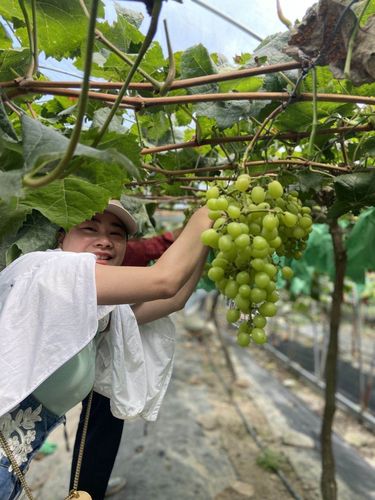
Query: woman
x,y
62,333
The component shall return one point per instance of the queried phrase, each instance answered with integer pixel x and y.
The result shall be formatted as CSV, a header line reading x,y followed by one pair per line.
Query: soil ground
x,y
217,437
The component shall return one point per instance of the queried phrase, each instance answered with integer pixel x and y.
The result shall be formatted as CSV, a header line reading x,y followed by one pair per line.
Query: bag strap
x,y
81,447
74,493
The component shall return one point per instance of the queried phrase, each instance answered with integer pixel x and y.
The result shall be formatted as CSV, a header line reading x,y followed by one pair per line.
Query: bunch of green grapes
x,y
254,226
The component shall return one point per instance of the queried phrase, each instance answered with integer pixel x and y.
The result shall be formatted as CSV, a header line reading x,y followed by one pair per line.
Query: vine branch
x,y
145,45
29,180
32,36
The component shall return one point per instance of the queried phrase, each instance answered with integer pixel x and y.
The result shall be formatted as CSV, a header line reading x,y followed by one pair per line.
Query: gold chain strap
x,y
74,493
15,466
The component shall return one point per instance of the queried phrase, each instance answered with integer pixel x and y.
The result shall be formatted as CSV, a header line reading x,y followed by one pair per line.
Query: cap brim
x,y
124,216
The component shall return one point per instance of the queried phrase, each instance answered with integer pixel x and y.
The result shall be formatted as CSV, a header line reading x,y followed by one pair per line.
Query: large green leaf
x,y
37,233
225,113
7,131
42,144
10,184
360,246
122,32
195,62
242,85
61,25
111,178
13,63
67,202
12,216
353,192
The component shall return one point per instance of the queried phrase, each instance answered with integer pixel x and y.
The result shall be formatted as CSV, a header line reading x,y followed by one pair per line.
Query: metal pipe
x,y
229,19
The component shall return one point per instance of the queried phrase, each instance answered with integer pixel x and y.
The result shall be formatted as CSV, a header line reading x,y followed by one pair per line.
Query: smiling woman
x,y
73,302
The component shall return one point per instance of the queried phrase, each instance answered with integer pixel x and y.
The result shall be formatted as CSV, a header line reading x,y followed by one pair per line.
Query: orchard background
x,y
156,129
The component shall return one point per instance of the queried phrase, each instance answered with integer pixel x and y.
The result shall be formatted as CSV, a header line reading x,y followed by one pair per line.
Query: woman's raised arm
x,y
163,280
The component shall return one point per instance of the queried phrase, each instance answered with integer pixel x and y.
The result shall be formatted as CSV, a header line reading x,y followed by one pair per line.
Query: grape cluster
x,y
254,226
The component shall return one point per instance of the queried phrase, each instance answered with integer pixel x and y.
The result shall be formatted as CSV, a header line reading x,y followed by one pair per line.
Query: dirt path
x,y
205,444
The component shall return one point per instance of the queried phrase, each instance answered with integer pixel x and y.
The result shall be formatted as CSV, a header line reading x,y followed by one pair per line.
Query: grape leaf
x,y
41,143
13,63
353,192
67,202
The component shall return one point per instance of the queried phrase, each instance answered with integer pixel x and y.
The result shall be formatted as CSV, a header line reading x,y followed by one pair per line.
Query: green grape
x,y
267,309
212,203
234,229
242,241
215,273
219,223
306,210
273,297
213,192
254,229
275,189
262,280
269,235
225,243
244,291
259,321
231,289
270,222
276,243
260,243
258,264
245,253
244,228
305,222
242,183
293,208
233,315
280,203
222,284
210,238
234,212
258,335
221,203
271,287
260,254
243,278
243,339
244,327
214,214
220,262
287,272
258,194
270,269
242,303
230,254
299,233
258,295
289,219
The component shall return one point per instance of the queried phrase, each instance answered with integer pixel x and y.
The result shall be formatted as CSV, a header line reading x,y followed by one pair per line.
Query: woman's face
x,y
104,236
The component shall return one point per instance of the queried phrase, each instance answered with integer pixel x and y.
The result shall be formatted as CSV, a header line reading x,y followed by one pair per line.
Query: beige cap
x,y
115,207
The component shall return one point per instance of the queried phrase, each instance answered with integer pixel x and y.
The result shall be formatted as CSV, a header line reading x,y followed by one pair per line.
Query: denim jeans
x,y
25,428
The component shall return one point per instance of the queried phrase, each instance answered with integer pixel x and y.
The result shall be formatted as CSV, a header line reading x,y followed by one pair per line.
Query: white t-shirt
x,y
49,313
